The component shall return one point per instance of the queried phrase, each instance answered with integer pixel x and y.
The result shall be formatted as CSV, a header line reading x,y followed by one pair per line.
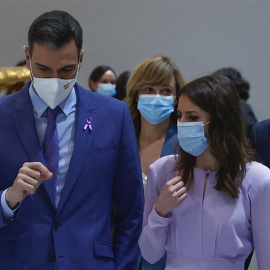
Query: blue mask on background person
x,y
155,108
106,89
191,137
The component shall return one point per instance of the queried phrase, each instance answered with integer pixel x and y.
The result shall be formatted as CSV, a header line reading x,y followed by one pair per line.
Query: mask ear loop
x,y
31,71
79,66
80,62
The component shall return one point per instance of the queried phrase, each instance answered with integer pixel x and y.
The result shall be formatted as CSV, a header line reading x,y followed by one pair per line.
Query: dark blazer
x,y
248,116
104,175
171,144
260,141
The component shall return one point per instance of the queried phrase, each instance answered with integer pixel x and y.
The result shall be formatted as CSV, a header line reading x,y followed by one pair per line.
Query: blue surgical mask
x,y
155,108
106,89
191,137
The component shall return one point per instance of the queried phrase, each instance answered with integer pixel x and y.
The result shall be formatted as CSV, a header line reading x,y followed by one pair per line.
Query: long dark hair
x,y
226,134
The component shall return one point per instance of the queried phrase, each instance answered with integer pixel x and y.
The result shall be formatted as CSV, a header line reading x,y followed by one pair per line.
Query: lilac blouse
x,y
208,231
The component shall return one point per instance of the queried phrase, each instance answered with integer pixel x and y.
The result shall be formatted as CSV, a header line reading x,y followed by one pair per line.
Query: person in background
x,y
102,80
260,141
208,207
243,88
71,191
152,96
121,85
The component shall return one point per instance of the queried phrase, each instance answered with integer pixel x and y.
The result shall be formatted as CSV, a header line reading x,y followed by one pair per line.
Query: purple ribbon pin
x,y
88,123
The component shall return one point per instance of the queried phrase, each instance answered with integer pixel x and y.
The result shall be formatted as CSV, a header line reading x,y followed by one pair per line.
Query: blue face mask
x,y
155,108
106,89
191,137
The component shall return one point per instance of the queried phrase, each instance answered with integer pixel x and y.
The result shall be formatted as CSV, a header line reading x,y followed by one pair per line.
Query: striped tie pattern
x,y
51,144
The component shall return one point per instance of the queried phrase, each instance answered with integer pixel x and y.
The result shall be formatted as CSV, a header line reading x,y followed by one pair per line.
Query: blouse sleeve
x,y
260,213
155,228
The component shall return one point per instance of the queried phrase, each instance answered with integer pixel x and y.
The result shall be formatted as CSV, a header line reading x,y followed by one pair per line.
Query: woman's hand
x,y
171,196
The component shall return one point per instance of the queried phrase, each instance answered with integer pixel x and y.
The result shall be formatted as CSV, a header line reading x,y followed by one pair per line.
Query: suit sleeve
x,y
260,142
128,199
6,214
260,212
2,217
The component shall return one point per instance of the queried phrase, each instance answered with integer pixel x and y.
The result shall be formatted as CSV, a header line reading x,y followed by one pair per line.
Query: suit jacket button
x,y
56,225
51,257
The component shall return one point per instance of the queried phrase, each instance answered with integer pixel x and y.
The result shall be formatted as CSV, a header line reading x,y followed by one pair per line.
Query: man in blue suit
x,y
260,141
85,210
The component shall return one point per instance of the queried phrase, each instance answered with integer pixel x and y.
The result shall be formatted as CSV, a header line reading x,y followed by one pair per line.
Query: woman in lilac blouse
x,y
209,206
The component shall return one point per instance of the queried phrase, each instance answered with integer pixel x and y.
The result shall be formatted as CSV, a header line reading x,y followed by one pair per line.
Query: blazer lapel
x,y
27,132
81,148
26,129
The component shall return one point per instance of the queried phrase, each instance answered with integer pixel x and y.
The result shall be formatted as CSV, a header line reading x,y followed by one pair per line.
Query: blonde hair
x,y
152,71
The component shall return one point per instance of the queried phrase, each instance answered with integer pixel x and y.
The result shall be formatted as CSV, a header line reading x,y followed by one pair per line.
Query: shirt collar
x,y
40,106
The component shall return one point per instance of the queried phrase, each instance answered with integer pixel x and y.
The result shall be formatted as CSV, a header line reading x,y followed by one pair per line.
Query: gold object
x,y
13,76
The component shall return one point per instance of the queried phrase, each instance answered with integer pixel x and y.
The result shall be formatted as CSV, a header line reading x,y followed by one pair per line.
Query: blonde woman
x,y
152,95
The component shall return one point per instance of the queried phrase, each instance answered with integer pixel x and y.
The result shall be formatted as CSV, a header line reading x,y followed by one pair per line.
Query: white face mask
x,y
53,90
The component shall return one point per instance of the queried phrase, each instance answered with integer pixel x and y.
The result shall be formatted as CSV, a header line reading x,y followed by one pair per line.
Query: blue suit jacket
x,y
260,141
104,177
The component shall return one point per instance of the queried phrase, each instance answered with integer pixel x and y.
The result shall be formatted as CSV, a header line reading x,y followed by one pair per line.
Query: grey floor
x,y
253,263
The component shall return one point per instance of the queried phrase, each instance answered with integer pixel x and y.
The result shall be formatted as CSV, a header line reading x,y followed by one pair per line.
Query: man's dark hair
x,y
55,29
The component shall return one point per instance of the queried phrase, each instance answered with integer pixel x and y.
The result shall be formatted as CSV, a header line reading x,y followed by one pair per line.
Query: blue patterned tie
x,y
51,144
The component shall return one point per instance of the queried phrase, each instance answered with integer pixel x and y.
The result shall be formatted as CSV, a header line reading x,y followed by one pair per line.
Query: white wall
x,y
199,35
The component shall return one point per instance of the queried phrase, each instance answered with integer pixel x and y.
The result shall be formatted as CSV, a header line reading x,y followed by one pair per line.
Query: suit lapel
x,y
81,148
24,121
25,126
